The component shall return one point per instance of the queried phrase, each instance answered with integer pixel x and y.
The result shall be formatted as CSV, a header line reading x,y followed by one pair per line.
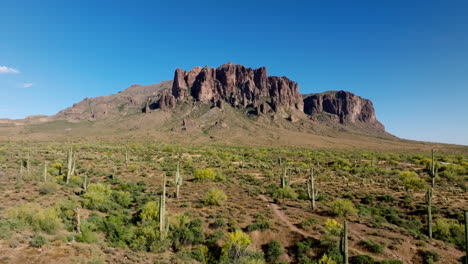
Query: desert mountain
x,y
210,103
233,85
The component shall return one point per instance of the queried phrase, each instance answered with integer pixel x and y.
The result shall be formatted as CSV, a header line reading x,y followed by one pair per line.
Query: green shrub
x,y
391,261
48,188
333,227
204,174
122,198
215,197
429,256
98,197
343,207
38,218
272,251
449,230
373,246
88,233
361,259
411,180
150,211
132,167
186,232
260,223
38,240
285,193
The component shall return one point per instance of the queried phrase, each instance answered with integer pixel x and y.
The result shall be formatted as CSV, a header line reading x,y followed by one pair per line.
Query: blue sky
x,y
409,57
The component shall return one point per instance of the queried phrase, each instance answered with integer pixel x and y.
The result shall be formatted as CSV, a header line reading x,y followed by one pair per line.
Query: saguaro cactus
x,y
284,180
85,183
429,211
344,242
178,180
311,190
433,171
45,171
70,164
162,212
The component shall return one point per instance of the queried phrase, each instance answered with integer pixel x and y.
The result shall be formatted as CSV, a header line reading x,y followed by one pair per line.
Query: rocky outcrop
x,y
347,106
237,85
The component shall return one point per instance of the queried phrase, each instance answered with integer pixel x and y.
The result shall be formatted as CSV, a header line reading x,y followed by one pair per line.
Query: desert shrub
x,y
449,230
38,240
48,188
272,251
391,261
38,218
343,207
326,260
411,180
146,237
308,223
6,229
372,246
260,223
204,174
333,227
285,193
186,232
118,230
236,246
150,211
98,197
132,167
218,223
361,259
215,197
88,233
122,198
214,237
429,256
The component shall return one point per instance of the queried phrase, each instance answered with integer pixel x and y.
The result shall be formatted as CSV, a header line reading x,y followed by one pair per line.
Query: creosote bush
x,y
48,188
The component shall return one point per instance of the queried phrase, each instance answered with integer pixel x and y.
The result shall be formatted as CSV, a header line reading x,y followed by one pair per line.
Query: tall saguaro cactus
x,y
429,211
162,212
70,164
311,190
284,180
433,170
344,242
178,180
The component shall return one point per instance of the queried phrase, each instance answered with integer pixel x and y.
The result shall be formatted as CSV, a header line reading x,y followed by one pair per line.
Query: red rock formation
x,y
347,106
237,85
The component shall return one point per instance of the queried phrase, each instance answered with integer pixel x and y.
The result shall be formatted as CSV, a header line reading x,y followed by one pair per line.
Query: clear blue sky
x,y
409,57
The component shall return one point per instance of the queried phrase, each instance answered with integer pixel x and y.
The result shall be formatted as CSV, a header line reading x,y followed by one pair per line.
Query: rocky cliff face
x,y
237,85
347,106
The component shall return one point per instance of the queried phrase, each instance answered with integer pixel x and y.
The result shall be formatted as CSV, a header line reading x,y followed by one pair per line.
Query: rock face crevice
x,y
346,105
237,85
